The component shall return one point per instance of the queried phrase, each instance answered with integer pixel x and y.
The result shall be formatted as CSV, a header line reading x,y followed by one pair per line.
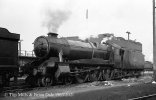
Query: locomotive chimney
x,y
50,34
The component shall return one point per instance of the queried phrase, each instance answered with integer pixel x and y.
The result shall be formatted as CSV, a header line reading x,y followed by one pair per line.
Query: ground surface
x,y
106,90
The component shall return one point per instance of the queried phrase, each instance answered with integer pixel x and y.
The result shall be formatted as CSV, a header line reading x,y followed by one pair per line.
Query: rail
x,y
26,53
148,97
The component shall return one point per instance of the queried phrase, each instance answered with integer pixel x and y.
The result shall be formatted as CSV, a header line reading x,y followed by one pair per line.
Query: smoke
x,y
55,18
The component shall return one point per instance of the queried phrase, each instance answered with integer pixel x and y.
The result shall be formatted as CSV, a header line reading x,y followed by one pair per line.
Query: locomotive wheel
x,y
103,75
39,82
46,81
86,77
93,76
100,75
79,79
68,80
31,80
107,75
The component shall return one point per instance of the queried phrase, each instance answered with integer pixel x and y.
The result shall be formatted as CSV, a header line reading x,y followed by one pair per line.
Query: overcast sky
x,y
30,19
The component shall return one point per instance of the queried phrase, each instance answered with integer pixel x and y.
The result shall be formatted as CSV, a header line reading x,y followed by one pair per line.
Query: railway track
x,y
24,88
9,91
15,88
147,97
19,88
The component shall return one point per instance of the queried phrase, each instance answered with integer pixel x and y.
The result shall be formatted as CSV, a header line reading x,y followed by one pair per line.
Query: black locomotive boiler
x,y
67,60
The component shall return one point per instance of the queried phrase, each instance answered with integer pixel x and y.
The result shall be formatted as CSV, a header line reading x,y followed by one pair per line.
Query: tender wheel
x,y
5,80
46,81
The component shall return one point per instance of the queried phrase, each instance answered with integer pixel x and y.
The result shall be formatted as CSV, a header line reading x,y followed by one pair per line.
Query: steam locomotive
x,y
67,60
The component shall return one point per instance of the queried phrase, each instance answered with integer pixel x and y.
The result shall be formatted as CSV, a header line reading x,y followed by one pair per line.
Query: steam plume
x,y
54,19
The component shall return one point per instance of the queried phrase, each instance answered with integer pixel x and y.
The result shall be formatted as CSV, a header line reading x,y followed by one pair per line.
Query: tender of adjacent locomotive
x,y
67,60
148,66
8,56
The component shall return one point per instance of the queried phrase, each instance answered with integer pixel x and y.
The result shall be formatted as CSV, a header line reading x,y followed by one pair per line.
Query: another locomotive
x,y
8,56
67,60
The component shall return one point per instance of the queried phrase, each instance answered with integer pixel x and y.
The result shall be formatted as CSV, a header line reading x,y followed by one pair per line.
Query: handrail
x,y
26,53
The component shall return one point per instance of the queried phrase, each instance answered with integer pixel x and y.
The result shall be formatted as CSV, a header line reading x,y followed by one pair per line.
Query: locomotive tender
x,y
8,56
67,60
